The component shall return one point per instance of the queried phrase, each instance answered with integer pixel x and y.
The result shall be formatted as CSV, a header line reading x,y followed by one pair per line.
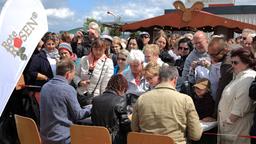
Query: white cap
x,y
108,37
144,33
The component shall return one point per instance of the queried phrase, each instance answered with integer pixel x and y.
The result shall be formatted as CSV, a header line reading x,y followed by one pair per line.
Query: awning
x,y
199,20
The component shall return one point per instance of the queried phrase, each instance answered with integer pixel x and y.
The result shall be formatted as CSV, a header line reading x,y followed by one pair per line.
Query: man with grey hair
x,y
247,42
246,32
165,111
81,44
93,31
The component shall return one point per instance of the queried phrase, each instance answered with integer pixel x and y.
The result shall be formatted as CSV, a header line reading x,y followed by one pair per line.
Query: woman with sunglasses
x,y
185,46
122,66
235,111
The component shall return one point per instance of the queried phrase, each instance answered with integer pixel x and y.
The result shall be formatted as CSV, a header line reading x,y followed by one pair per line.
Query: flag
x,y
22,24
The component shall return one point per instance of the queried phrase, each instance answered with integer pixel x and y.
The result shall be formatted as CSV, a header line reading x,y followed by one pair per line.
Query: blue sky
x,y
68,14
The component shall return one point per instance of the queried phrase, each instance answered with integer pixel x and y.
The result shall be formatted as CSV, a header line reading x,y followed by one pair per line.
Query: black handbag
x,y
87,97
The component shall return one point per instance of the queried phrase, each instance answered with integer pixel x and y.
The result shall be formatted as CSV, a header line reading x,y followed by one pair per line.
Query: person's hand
x,y
206,63
84,83
130,116
232,118
208,119
194,64
41,77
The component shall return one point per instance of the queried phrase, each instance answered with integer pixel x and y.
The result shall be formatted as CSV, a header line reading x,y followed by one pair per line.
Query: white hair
x,y
136,55
95,26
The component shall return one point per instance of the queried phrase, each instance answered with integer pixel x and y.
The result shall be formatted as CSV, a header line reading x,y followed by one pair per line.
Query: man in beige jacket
x,y
165,111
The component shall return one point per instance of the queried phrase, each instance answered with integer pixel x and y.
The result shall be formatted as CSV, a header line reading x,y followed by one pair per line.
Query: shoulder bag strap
x,y
100,76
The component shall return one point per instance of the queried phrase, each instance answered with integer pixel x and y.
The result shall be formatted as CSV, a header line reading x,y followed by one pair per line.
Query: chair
x,y
81,134
27,130
145,138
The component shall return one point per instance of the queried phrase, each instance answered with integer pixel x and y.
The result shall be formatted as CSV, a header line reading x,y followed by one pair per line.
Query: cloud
x,y
130,11
54,3
61,13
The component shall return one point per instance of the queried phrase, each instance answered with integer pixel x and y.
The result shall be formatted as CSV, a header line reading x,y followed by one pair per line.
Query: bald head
x,y
217,48
200,41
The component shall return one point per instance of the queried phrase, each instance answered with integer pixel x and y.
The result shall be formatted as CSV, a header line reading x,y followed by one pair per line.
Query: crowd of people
x,y
165,85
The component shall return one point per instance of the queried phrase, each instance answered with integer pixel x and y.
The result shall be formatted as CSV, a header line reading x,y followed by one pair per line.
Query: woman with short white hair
x,y
134,76
136,82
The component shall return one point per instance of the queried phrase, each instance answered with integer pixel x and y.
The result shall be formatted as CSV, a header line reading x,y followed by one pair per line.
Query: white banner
x,y
22,24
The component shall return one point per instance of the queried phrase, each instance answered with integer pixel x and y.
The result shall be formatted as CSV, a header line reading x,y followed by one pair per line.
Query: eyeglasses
x,y
214,55
234,62
122,59
183,48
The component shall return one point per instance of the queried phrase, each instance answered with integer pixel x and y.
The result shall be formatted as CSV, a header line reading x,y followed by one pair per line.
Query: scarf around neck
x,y
54,54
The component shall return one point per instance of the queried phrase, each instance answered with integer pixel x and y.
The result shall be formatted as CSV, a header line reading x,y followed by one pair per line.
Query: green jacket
x,y
165,111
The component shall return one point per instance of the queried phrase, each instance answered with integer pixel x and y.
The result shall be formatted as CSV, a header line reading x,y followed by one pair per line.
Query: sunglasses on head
x,y
183,48
145,36
235,62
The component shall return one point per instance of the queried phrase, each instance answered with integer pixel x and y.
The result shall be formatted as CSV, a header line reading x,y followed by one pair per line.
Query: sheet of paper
x,y
208,125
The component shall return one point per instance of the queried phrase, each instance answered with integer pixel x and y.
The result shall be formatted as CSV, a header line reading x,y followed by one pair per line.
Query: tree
x,y
115,30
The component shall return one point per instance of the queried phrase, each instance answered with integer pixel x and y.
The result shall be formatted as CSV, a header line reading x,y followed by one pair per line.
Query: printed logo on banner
x,y
13,44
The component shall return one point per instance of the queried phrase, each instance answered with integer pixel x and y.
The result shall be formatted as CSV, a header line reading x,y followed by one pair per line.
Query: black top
x,y
39,64
109,110
204,106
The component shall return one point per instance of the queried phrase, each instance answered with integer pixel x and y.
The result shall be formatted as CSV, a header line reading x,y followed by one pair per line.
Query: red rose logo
x,y
17,42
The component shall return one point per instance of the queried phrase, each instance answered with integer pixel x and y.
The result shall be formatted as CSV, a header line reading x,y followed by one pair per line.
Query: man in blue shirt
x,y
59,107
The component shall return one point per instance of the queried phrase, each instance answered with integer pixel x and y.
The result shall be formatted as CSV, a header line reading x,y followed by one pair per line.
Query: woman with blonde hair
x,y
151,74
151,52
115,49
122,66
